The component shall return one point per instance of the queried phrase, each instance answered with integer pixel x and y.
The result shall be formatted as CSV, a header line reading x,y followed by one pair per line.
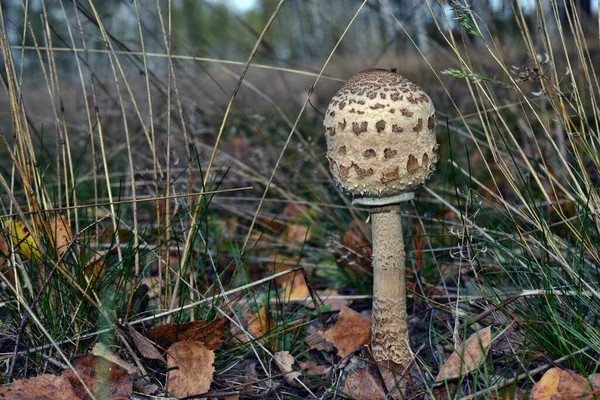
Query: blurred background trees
x,y
306,29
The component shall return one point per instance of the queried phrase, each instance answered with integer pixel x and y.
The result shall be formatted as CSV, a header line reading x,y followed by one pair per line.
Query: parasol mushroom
x,y
381,146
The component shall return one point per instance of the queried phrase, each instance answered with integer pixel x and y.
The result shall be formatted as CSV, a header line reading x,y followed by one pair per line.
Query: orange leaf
x,y
195,368
562,384
61,234
39,387
261,325
351,331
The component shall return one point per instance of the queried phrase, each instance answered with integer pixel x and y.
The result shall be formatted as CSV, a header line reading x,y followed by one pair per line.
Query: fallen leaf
x,y
468,356
105,379
449,390
5,268
210,333
61,234
23,240
108,235
195,368
145,346
354,253
365,381
292,284
154,285
285,362
294,210
351,331
315,342
511,392
362,384
38,388
100,350
331,299
261,325
312,368
562,384
297,233
594,380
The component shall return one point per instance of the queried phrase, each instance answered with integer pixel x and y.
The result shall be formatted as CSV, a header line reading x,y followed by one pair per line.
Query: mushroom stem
x,y
389,334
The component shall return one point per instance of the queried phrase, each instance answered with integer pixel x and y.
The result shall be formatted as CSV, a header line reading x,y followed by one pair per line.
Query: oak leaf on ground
x,y
351,331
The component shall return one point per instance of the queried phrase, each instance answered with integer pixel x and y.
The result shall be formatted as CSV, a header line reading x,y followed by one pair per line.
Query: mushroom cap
x,y
380,136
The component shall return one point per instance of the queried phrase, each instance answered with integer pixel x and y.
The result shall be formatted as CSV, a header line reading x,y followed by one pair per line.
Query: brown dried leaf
x,y
594,380
294,210
351,331
315,342
297,233
105,379
328,298
293,284
100,350
195,368
562,384
511,392
61,233
96,267
468,357
370,381
145,346
362,382
5,268
354,255
288,281
108,235
261,325
210,333
39,387
312,368
285,361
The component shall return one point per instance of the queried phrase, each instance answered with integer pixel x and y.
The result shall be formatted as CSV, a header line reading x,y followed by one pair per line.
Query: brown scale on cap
x,y
389,153
417,128
406,113
358,129
431,122
390,145
412,165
